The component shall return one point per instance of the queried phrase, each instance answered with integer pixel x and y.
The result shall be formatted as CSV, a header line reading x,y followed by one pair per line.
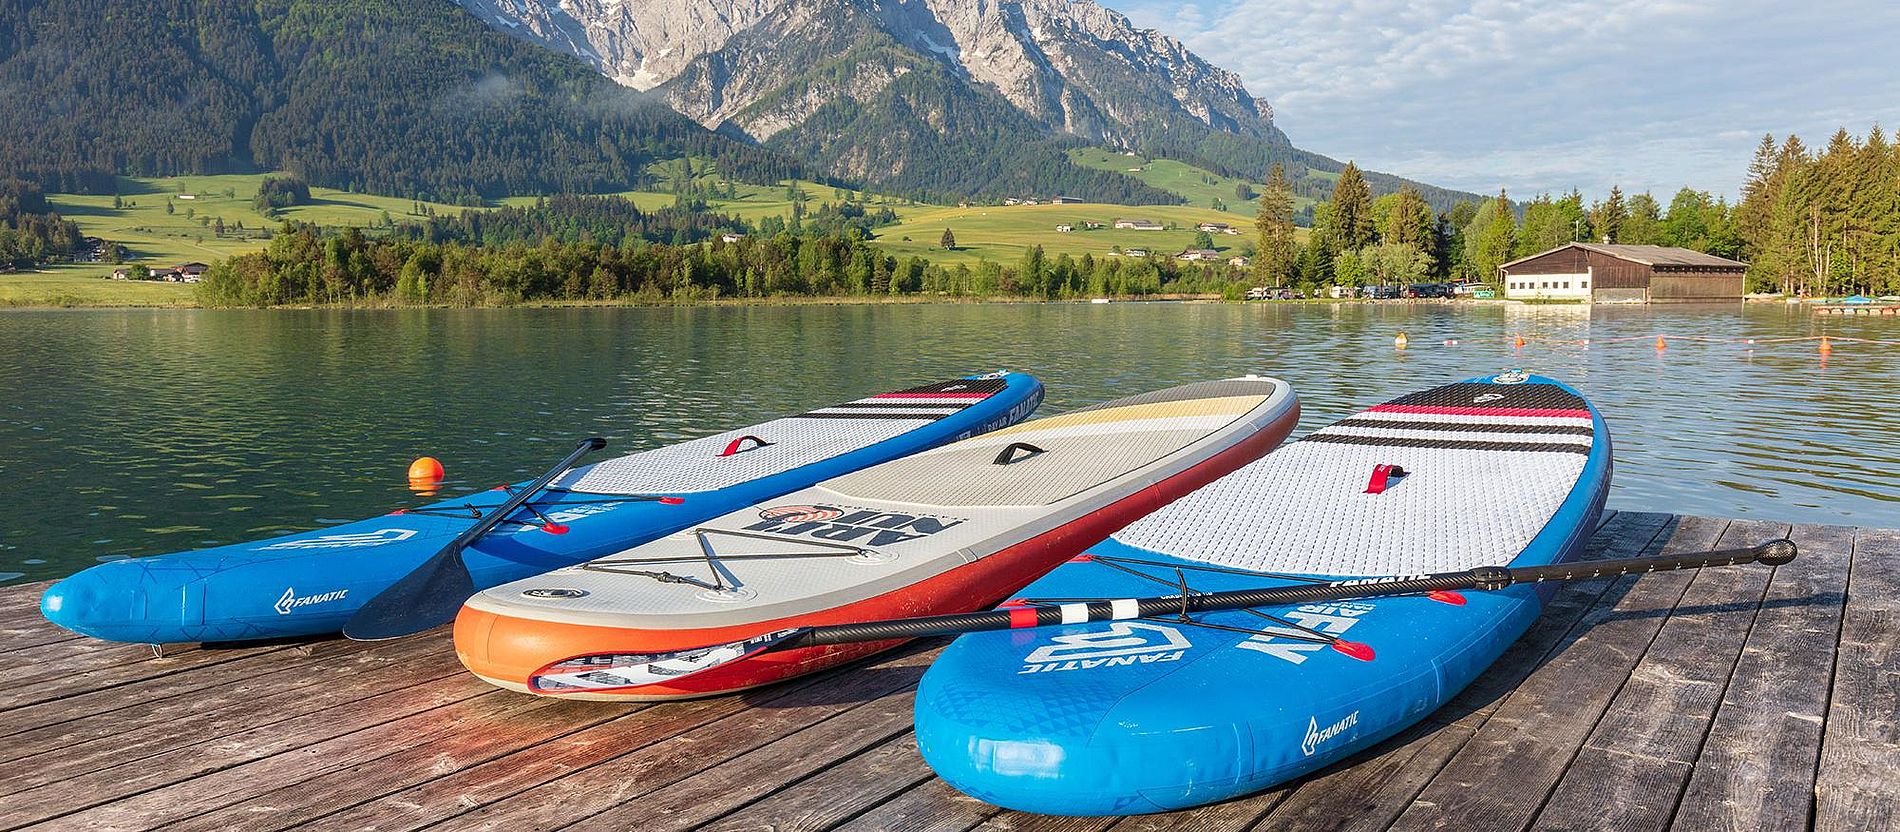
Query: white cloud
x,y
1545,96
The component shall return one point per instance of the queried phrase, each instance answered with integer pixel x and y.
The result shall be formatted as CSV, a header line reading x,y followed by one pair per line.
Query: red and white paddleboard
x,y
954,529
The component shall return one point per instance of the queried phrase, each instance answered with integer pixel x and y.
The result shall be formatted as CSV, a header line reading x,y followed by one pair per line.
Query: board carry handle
x,y
1008,454
738,445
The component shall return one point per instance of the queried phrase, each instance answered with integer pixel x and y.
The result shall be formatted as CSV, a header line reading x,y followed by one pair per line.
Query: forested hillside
x,y
406,97
30,230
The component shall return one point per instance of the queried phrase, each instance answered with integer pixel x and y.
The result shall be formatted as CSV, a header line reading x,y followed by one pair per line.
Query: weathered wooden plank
x,y
125,663
1757,767
1533,734
836,794
211,694
598,787
496,780
20,603
930,806
185,762
1860,747
316,786
1019,822
1634,764
153,808
722,788
359,676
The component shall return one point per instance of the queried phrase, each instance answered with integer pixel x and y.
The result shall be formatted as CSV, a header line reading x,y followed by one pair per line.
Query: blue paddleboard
x,y
311,582
1127,717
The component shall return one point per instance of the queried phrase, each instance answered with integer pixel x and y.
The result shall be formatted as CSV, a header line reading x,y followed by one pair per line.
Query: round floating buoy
x,y
1399,340
1519,343
1825,346
1451,342
426,469
1660,344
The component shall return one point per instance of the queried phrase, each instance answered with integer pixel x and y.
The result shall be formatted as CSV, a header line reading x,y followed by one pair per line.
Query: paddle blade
x,y
428,597
609,672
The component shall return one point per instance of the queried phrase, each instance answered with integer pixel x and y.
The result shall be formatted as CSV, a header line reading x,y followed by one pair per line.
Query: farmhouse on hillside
x,y
1198,254
1138,225
1597,273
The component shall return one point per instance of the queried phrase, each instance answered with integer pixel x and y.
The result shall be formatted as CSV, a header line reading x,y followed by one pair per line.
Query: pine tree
x,y
1643,226
1276,249
1408,221
1606,217
948,241
1490,237
1352,225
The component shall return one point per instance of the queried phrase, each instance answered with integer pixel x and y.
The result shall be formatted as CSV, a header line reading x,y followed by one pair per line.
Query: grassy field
x,y
1003,233
999,233
1201,188
81,286
156,238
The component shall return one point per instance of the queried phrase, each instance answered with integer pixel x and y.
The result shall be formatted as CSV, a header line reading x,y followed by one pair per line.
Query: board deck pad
x,y
882,535
808,437
309,583
1133,716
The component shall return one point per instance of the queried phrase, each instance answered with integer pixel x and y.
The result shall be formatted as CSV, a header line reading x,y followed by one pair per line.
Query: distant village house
x,y
1138,225
1198,254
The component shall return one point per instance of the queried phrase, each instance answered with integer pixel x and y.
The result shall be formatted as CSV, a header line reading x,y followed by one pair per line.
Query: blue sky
x,y
1543,96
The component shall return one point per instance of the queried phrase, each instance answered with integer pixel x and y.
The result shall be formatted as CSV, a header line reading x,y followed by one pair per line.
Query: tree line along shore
x,y
1809,222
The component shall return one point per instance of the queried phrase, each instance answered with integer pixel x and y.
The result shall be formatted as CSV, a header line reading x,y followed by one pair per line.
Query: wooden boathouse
x,y
1743,698
1596,273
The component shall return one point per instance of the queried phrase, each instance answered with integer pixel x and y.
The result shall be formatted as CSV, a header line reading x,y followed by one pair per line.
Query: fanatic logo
x,y
1123,643
345,541
290,601
1316,735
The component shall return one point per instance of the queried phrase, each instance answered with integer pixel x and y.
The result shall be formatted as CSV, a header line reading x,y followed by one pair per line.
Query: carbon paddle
x,y
636,670
431,595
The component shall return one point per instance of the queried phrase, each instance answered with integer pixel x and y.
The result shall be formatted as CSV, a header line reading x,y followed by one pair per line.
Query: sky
x,y
1543,96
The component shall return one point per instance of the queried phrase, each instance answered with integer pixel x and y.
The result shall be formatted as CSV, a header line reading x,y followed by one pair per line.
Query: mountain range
x,y
458,99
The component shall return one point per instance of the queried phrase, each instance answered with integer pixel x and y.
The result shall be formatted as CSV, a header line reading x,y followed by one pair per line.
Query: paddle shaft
x,y
1487,578
502,512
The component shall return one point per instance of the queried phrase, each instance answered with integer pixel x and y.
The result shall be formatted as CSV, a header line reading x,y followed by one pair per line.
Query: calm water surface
x,y
125,433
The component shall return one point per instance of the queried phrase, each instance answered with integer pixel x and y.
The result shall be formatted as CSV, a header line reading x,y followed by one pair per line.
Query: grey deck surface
x,y
1746,698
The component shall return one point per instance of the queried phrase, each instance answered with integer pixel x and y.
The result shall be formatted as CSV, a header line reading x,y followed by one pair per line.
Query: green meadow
x,y
157,238
1200,187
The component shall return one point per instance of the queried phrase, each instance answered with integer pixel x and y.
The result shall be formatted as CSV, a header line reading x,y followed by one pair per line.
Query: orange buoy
x,y
1520,342
1400,340
1825,346
1660,344
426,469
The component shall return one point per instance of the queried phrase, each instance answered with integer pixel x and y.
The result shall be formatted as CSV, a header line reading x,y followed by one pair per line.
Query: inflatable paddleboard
x,y
953,529
311,582
1147,715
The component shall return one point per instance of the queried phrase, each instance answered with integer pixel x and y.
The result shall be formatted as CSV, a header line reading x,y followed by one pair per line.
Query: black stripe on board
x,y
927,417
1475,394
1470,427
1447,444
986,386
945,406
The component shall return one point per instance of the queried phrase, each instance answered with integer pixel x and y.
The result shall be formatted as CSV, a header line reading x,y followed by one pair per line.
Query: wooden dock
x,y
1744,698
1863,309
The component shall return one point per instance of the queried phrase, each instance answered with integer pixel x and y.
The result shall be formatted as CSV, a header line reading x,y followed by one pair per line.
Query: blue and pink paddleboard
x,y
310,583
1126,717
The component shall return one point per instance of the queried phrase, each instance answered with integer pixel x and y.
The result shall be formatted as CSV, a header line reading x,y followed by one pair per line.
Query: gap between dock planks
x,y
1568,730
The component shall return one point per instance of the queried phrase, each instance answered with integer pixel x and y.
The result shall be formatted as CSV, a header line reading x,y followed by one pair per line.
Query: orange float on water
x,y
426,469
1660,344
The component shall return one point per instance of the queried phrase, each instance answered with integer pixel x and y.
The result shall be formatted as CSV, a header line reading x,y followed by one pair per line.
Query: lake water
x,y
146,431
